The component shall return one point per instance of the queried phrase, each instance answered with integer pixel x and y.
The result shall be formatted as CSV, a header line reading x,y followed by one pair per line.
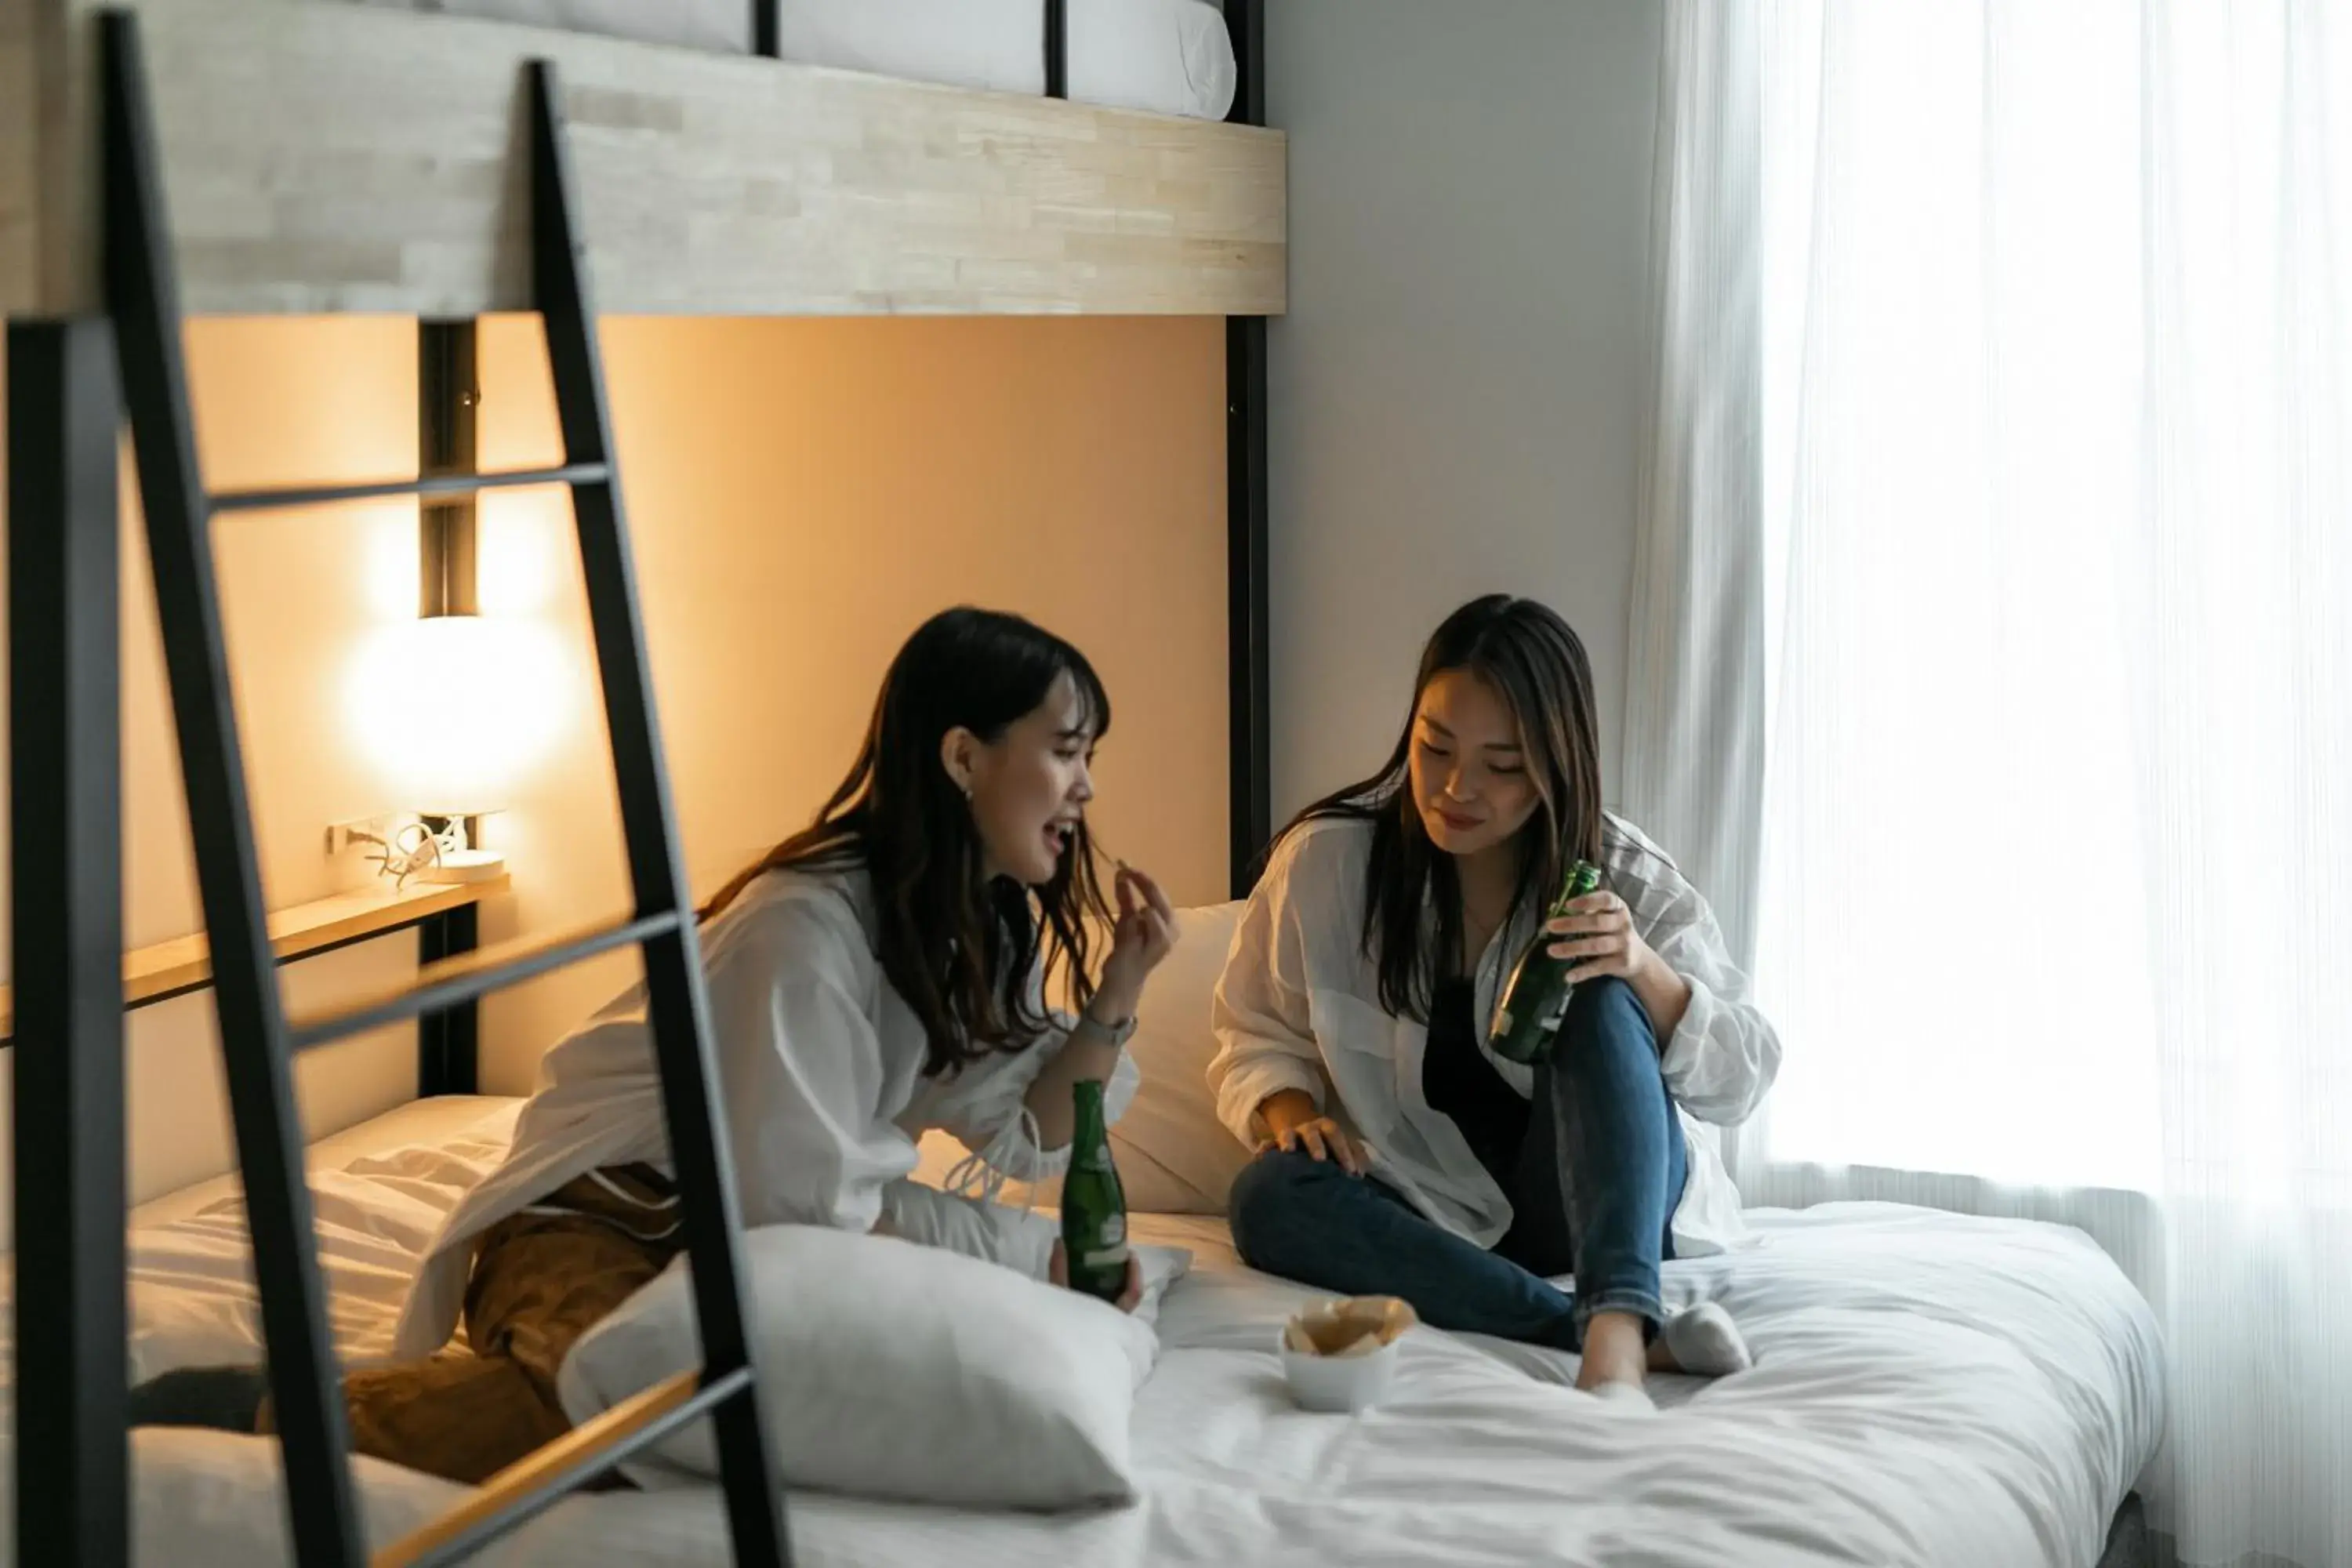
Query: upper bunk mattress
x,y
1164,57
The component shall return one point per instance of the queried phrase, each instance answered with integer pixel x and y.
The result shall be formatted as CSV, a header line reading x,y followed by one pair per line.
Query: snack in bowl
x,y
1340,1354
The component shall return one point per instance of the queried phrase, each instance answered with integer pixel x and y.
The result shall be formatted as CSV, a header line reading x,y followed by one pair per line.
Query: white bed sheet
x,y
1165,56
1929,1389
378,1190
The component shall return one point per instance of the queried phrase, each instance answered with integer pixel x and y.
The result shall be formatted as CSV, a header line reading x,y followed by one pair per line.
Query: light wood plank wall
x,y
19,136
331,158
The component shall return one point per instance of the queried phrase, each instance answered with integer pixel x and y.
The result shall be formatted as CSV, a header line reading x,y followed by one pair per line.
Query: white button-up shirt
x,y
821,1085
1298,1007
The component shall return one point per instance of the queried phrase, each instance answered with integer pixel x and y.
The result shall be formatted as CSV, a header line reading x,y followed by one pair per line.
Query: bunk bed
x,y
256,156
319,155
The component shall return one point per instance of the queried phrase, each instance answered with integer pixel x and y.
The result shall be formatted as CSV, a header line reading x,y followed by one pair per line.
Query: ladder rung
x,y
540,1482
472,976
431,484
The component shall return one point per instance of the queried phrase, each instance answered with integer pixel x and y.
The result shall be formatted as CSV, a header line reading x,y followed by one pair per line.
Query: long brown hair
x,y
1534,661
957,946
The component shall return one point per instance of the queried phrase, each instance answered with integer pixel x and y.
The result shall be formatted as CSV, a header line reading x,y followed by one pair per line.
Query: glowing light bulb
x,y
456,712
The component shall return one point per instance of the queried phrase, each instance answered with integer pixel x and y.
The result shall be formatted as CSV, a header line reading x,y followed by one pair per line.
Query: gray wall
x,y
1457,393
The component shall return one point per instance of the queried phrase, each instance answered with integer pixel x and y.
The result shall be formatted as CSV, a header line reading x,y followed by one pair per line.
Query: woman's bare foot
x,y
1614,1355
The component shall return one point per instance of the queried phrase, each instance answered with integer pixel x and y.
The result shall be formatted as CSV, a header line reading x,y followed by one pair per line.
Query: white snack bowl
x,y
1366,1331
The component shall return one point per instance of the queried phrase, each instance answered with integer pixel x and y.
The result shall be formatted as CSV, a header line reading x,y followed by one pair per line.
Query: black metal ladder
x,y
258,1040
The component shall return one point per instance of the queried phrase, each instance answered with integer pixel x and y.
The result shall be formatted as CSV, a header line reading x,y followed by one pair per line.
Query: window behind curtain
x,y
2057,881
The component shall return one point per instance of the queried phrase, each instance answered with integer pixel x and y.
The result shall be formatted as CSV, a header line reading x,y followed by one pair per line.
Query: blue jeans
x,y
1598,1176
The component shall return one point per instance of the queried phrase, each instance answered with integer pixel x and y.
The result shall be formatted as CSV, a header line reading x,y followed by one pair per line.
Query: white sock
x,y
1628,1399
1706,1342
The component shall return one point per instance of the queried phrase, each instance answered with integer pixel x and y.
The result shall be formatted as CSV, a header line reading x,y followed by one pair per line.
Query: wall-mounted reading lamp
x,y
455,708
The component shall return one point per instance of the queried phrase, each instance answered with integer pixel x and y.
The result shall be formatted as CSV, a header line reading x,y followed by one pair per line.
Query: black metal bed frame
x,y
1249,703
71,383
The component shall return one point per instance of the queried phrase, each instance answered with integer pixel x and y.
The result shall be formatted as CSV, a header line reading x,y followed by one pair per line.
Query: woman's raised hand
x,y
1144,935
1596,933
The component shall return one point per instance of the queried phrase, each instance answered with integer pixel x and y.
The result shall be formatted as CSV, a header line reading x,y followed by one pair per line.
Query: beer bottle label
x,y
1105,1258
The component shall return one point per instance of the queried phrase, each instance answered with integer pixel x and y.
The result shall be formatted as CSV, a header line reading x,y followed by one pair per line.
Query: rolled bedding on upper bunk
x,y
1164,57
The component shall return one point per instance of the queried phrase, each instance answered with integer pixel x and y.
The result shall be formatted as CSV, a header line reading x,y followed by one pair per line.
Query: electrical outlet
x,y
341,835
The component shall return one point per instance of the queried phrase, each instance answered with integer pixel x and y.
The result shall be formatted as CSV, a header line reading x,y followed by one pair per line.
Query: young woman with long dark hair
x,y
881,973
1401,1156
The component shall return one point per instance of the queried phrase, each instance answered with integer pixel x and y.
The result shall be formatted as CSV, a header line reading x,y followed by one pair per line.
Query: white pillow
x,y
1174,1156
890,1369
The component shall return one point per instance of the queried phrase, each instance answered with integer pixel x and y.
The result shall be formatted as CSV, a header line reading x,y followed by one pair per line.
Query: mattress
x,y
378,1192
1166,56
1929,1389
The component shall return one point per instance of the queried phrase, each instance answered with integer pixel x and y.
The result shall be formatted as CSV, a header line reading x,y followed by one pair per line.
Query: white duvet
x,y
1929,1390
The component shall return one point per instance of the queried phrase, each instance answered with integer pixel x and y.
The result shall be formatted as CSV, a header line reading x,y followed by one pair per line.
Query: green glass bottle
x,y
1535,998
1094,1206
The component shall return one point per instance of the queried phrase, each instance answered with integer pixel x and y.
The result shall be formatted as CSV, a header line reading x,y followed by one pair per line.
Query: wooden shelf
x,y
174,968
336,157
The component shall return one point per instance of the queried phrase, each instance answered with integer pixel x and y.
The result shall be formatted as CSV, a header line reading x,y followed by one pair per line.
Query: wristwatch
x,y
1119,1033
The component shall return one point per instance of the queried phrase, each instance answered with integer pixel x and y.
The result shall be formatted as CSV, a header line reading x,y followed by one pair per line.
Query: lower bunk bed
x,y
1929,1389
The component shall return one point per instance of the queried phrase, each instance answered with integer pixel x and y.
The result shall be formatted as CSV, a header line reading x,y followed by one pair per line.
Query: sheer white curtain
x,y
1694,748
2056,816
